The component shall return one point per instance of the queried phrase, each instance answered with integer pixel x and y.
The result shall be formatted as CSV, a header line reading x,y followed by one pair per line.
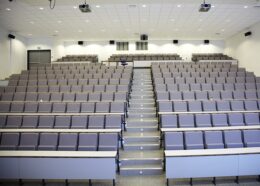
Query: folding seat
x,y
252,138
160,87
28,141
10,89
180,106
43,89
65,88
186,121
165,106
87,88
31,107
108,142
62,122
96,122
171,87
54,88
31,96
62,81
44,96
88,142
173,141
160,80
250,79
74,81
7,97
241,73
122,88
45,107
214,140
113,122
257,79
223,105
214,95
22,82
114,81
111,88
195,106
203,120
59,107
168,121
209,106
51,82
190,80
103,81
117,107
240,79
120,96
237,105
250,86
194,140
239,95
233,139
213,74
200,80
2,121
222,74
5,107
14,121
81,97
21,89
162,96
221,80
13,82
30,122
239,86
250,94
76,88
230,79
92,81
69,97
102,107
210,80
201,95
184,87
56,97
229,86
166,81
195,87
252,118
46,121
175,95
83,81
9,141
107,96
68,141
188,95
226,95
94,97
99,88
48,141
236,119
206,87
219,120
250,105
180,80
185,74
88,107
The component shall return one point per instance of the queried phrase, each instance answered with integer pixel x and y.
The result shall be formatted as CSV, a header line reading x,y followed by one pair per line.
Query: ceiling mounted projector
x,y
85,8
204,7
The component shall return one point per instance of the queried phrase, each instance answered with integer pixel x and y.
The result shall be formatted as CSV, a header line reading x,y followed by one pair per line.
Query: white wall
x,y
246,49
13,55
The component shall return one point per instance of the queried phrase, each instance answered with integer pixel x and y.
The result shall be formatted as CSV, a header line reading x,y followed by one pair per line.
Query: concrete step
x,y
141,128
141,139
142,115
142,105
139,122
141,96
141,101
130,146
134,170
140,161
144,93
142,110
141,89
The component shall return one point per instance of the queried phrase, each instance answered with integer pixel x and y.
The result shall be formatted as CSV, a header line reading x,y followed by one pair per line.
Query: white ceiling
x,y
115,19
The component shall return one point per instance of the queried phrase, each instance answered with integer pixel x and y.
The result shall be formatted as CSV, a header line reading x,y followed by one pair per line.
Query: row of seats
x,y
212,139
210,56
91,58
59,141
62,107
66,97
208,106
64,65
207,95
63,122
222,79
208,120
66,88
143,57
216,64
207,86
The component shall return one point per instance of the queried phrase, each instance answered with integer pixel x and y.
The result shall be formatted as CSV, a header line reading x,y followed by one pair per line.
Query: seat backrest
x,y
214,140
30,122
174,141
17,107
252,118
180,106
9,141
186,121
96,122
252,138
14,121
194,140
46,121
62,122
203,120
79,122
59,107
88,141
236,119
88,107
219,120
168,121
233,139
28,141
108,142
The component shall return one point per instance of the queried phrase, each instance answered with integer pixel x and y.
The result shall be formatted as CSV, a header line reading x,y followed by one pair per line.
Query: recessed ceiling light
x,y
86,20
144,6
41,8
213,6
178,6
172,19
80,30
59,21
223,30
75,7
56,31
8,9
245,6
102,30
176,29
31,22
97,6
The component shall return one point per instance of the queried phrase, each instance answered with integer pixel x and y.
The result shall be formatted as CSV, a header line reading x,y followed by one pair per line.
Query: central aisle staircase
x,y
142,154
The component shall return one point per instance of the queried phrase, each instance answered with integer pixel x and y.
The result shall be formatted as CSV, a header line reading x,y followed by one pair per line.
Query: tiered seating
x,y
77,58
143,57
206,106
210,56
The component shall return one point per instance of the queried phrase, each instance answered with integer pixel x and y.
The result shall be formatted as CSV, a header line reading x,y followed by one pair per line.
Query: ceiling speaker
x,y
248,33
144,37
112,42
11,36
175,41
206,42
80,42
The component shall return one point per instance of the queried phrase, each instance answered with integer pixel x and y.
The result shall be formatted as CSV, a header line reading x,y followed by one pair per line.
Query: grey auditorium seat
x,y
219,120
79,122
94,97
19,96
5,107
28,141
68,141
48,141
233,139
252,138
186,121
223,105
195,106
209,106
96,122
168,121
31,96
59,107
120,96
113,122
180,106
236,119
14,121
214,140
203,120
73,107
46,121
237,105
80,97
62,122
30,122
102,107
108,142
188,95
2,121
9,141
175,95
69,97
56,96
17,107
165,106
174,141
44,96
194,140
117,107
251,105
45,107
88,142
162,96
88,107
252,118
107,96
31,107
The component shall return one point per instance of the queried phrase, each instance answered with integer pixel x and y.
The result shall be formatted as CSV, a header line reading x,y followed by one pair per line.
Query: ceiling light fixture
x,y
59,21
8,9
75,7
144,6
179,6
245,6
41,8
97,6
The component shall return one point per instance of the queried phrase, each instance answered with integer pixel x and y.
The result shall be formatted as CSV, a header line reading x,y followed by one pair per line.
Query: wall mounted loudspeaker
x,y
206,42
248,33
80,42
175,41
11,36
112,42
144,37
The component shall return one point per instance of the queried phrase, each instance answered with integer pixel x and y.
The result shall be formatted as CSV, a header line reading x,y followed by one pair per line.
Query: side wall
x,y
246,49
